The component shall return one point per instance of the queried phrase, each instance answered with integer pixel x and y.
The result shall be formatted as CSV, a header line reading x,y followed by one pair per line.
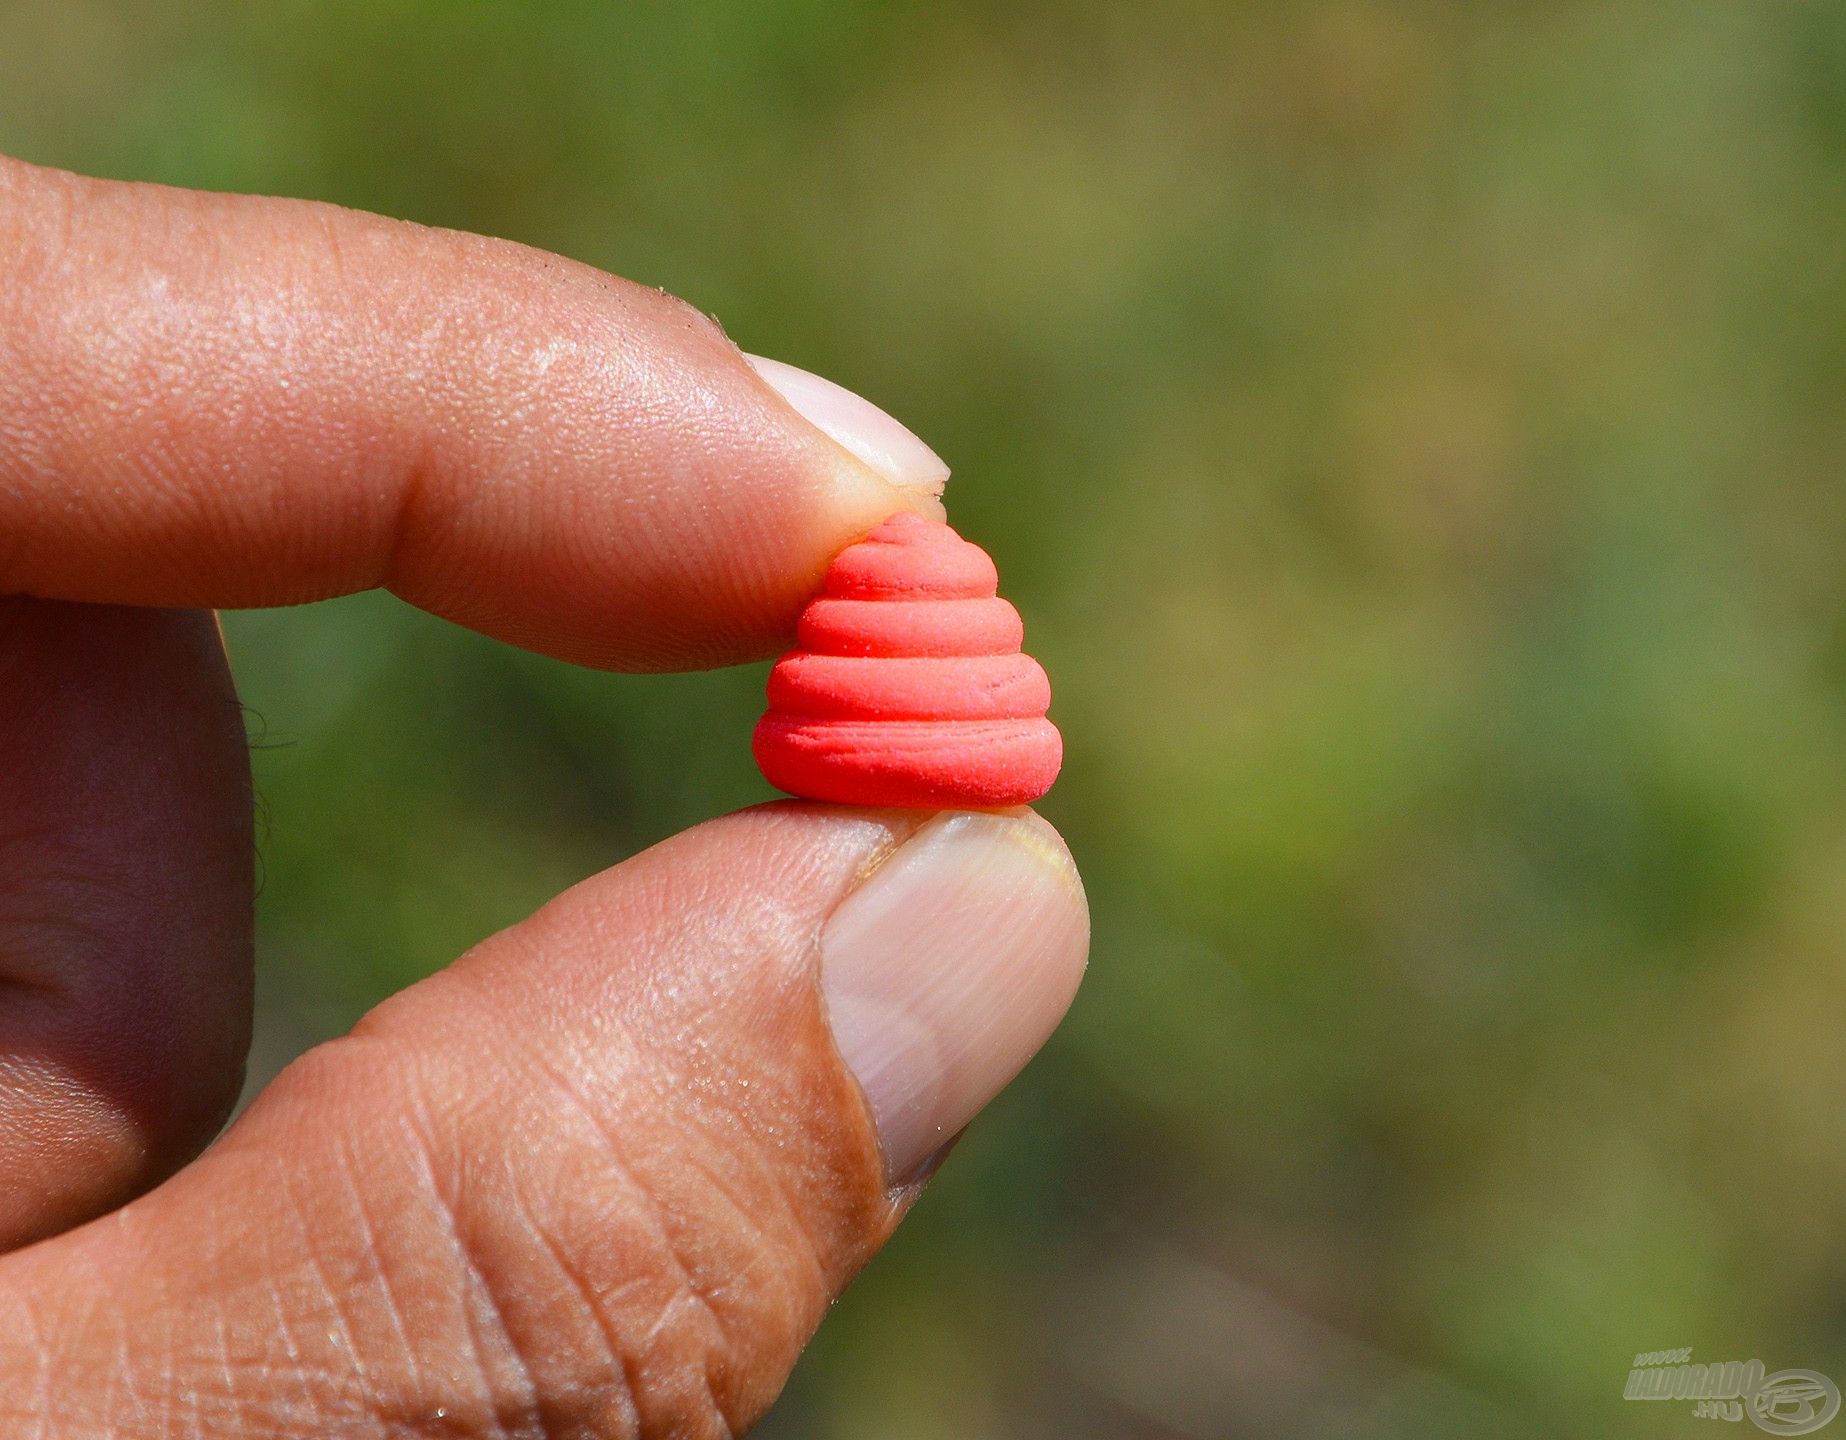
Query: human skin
x,y
602,1175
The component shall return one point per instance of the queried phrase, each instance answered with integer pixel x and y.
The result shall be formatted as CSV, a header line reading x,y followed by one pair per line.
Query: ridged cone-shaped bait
x,y
907,686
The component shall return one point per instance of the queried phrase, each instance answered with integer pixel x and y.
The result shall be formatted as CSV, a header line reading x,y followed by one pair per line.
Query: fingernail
x,y
946,970
858,425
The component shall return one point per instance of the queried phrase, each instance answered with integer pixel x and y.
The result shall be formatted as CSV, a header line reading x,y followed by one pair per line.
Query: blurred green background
x,y
1413,434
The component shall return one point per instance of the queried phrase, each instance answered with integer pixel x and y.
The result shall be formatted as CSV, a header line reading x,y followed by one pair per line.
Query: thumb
x,y
601,1177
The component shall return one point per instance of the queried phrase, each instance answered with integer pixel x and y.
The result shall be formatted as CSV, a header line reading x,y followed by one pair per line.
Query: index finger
x,y
226,401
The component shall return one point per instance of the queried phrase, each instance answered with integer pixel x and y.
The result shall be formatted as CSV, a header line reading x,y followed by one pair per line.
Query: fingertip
x,y
872,436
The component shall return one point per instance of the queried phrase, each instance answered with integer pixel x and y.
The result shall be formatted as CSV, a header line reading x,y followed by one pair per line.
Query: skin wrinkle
x,y
283,1326
337,1303
518,1414
779,1182
376,1267
125,1382
797,1312
330,234
333,1295
526,1413
622,1393
41,1349
406,524
225,1370
417,1122
684,1288
714,1295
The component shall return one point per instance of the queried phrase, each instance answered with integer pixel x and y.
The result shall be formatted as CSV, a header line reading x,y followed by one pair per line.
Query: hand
x,y
603,1174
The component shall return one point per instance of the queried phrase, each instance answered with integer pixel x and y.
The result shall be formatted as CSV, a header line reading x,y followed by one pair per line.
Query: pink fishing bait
x,y
907,686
